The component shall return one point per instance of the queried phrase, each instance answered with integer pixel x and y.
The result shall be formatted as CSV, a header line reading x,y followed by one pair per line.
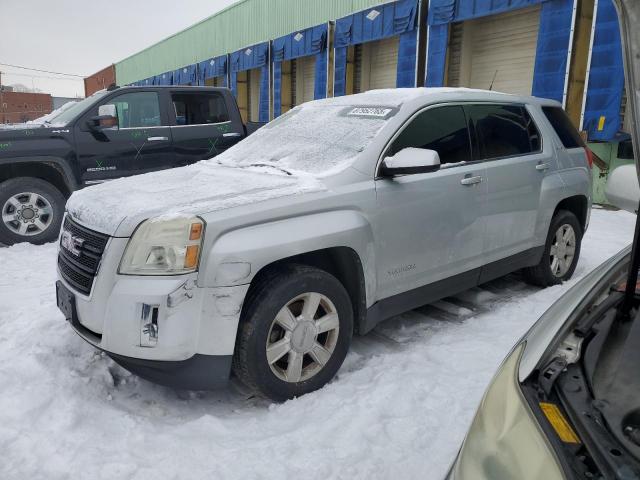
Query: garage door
x,y
497,52
376,64
253,92
303,74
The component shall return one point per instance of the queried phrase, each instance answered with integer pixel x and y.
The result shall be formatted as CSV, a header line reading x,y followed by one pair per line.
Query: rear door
x,y
140,143
203,126
430,226
509,144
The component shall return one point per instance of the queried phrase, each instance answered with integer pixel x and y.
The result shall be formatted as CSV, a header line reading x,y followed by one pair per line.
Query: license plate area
x,y
66,302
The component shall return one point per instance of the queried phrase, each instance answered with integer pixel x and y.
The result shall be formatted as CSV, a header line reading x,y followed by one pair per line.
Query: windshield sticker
x,y
371,112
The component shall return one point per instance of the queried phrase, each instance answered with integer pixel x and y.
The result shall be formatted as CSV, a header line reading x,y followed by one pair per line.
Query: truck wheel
x,y
561,252
295,332
32,211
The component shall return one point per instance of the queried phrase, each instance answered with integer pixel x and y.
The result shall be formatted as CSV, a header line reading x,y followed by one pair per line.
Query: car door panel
x,y
430,226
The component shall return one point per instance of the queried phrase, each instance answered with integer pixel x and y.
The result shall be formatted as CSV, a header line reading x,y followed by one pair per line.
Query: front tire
x,y
561,252
295,332
31,211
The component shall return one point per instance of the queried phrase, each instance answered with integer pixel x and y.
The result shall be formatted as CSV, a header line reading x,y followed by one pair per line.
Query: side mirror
x,y
410,161
623,190
107,118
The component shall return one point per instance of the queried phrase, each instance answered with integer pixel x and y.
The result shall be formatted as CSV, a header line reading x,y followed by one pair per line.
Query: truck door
x,y
140,143
203,127
430,226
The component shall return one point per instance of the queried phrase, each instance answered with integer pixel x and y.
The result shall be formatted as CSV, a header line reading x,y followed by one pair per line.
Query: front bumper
x,y
194,327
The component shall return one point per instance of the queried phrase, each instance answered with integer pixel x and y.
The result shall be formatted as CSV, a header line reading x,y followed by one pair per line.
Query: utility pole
x,y
2,118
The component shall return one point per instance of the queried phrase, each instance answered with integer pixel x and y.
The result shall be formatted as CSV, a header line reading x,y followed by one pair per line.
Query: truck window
x,y
199,108
443,129
137,109
560,122
503,131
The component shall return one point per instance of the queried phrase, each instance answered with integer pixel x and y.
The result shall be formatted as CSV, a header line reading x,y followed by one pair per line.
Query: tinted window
x,y
560,122
503,131
442,129
139,109
199,108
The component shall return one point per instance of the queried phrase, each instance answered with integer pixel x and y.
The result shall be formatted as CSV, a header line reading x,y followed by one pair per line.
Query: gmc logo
x,y
70,243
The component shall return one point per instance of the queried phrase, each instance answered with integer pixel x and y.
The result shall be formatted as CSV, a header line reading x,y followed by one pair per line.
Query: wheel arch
x,y
50,169
578,205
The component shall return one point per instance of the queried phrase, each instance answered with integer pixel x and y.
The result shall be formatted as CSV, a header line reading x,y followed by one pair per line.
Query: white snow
x,y
399,407
41,120
195,189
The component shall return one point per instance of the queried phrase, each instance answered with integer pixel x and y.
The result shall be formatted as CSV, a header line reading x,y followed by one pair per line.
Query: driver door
x,y
430,226
141,142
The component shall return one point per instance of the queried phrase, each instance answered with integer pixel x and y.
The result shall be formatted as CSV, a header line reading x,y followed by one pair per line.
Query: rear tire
x,y
31,210
295,332
561,252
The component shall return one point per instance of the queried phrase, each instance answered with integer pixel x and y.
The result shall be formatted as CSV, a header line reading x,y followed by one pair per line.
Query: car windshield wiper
x,y
267,165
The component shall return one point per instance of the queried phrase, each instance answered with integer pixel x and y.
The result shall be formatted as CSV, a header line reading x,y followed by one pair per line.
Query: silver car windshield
x,y
314,138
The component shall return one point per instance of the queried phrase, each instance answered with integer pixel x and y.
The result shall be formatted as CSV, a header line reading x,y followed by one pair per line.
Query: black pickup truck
x,y
114,133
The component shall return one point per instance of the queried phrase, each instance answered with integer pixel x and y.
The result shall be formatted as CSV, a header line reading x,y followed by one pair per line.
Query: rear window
x,y
199,108
560,122
503,131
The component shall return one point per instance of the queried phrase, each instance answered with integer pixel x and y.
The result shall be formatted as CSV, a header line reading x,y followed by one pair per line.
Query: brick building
x,y
20,107
100,80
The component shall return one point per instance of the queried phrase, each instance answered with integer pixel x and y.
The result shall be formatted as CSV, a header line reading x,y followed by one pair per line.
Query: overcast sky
x,y
82,37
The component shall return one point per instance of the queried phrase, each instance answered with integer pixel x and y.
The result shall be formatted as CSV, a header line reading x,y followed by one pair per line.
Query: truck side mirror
x,y
622,188
411,161
107,118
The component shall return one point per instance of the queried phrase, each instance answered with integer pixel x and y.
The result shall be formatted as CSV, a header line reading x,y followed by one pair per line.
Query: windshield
x,y
314,138
76,109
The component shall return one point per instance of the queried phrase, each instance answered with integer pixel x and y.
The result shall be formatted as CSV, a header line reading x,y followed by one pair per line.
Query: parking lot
x,y
399,407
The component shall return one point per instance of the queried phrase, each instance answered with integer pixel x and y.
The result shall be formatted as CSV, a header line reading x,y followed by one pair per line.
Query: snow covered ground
x,y
399,407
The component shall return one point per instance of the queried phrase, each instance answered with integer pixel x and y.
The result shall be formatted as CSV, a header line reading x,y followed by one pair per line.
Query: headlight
x,y
164,247
505,440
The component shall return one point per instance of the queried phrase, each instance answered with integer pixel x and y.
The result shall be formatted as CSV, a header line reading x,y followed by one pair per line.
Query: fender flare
x,y
59,163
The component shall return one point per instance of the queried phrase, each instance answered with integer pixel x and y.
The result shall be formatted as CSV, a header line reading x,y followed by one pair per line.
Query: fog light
x,y
149,325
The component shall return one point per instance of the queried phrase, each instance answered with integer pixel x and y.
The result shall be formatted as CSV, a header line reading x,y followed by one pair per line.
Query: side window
x,y
137,110
443,129
503,131
560,122
199,108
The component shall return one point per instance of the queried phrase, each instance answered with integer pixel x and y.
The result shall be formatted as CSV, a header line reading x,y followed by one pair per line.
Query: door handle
x,y
231,135
157,139
471,180
542,167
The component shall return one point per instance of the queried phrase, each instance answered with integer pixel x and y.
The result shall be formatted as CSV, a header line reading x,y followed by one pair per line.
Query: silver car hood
x,y
116,208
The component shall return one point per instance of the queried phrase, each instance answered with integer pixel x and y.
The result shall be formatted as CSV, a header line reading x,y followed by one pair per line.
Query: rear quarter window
x,y
565,130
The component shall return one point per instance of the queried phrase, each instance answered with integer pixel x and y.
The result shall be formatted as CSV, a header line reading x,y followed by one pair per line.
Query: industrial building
x,y
20,107
275,54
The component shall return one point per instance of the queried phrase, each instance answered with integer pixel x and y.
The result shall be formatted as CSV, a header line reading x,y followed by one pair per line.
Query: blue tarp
x,y
437,55
185,75
447,11
602,118
303,43
163,79
553,49
255,56
390,19
213,68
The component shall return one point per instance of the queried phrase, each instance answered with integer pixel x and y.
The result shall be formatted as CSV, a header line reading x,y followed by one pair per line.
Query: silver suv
x,y
341,213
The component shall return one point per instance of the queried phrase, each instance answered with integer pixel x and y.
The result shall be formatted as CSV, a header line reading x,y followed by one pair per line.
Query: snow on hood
x,y
196,189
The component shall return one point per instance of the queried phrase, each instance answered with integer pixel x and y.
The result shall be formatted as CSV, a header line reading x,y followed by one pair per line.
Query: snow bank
x,y
196,189
399,407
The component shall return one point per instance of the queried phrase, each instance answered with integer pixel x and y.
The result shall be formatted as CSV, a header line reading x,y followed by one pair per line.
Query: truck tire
x,y
561,252
32,211
294,333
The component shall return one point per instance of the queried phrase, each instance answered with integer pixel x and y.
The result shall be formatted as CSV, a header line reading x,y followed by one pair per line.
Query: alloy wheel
x,y
563,250
302,337
27,214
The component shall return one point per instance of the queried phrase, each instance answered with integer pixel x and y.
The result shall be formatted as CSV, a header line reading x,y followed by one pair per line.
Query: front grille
x,y
80,270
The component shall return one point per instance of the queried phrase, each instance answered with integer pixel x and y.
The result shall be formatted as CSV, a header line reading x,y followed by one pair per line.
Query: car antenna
x,y
493,80
632,277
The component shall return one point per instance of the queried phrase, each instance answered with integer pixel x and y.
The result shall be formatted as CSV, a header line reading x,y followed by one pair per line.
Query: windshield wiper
x,y
268,165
